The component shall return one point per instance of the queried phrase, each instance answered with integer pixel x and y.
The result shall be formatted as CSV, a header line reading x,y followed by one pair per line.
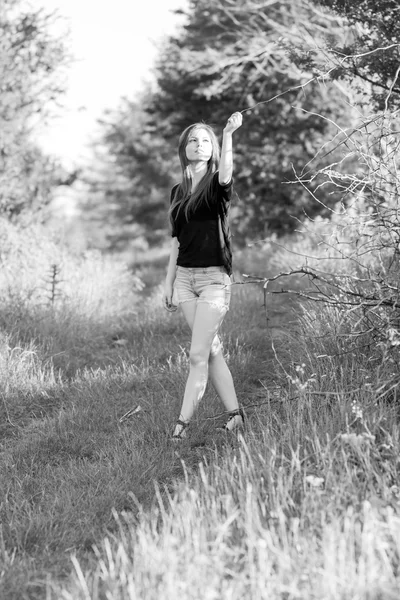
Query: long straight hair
x,y
183,199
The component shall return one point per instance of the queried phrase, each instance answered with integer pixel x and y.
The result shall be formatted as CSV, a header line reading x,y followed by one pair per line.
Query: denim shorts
x,y
204,284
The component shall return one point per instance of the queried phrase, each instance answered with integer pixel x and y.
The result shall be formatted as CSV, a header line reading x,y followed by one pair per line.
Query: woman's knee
x,y
216,347
199,356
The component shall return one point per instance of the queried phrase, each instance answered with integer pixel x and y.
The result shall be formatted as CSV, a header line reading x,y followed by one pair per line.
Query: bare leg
x,y
222,381
207,320
218,370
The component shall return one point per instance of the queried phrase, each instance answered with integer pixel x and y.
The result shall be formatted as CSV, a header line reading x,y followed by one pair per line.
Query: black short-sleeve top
x,y
198,236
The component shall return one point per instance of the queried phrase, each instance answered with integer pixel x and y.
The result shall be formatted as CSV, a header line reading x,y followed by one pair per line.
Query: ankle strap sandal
x,y
182,432
229,424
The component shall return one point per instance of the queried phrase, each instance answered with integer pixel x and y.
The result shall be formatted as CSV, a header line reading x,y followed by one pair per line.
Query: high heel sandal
x,y
176,437
229,426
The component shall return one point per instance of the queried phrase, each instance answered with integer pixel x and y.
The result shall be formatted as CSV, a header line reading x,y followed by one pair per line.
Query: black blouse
x,y
199,242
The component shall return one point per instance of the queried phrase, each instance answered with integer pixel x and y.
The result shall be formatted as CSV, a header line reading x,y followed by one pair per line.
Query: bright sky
x,y
115,44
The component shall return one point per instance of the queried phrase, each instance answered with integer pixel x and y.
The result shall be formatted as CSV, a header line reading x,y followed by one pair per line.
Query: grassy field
x,y
97,504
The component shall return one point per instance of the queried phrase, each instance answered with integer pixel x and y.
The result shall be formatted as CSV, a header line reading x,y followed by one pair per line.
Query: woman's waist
x,y
205,269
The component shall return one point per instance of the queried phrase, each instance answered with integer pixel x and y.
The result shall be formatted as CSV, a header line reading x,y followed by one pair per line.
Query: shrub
x,y
67,304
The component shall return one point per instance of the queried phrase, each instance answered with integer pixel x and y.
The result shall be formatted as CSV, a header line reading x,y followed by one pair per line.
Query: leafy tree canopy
x,y
371,51
232,55
285,60
30,60
131,173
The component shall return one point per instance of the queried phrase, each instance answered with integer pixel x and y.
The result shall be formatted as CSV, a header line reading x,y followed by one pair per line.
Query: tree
x,y
231,55
372,53
30,61
130,178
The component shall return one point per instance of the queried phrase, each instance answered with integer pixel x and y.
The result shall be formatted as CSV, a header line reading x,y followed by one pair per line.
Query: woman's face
x,y
199,146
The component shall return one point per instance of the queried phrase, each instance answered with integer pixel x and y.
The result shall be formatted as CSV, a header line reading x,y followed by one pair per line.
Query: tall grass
x,y
254,524
70,305
304,504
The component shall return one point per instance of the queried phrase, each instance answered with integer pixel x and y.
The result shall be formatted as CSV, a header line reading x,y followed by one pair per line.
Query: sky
x,y
114,43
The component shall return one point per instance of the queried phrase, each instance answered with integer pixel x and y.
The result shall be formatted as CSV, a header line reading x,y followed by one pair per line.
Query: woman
x,y
200,262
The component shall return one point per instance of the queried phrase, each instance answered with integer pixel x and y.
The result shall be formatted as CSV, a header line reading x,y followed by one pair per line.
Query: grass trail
x,y
67,462
305,505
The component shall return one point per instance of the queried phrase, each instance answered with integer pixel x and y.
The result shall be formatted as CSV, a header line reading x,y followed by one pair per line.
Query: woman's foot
x,y
180,430
235,420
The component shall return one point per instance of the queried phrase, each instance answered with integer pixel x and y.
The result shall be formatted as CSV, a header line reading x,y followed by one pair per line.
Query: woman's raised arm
x,y
226,161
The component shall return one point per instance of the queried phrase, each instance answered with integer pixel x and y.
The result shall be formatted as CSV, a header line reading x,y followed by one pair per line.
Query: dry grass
x,y
304,505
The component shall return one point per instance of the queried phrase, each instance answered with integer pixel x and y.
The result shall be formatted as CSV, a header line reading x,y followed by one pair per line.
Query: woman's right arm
x,y
171,273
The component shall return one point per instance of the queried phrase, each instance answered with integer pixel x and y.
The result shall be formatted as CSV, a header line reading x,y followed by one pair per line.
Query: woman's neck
x,y
198,170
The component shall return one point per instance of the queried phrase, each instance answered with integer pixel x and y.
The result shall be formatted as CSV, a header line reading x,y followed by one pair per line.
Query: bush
x,y
68,305
349,264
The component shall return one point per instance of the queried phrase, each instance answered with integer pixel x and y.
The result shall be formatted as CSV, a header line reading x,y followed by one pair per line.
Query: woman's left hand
x,y
234,122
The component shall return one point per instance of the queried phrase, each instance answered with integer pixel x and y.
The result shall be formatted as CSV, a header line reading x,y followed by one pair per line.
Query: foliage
x,y
94,505
227,57
351,261
371,53
30,79
270,534
66,304
129,179
27,179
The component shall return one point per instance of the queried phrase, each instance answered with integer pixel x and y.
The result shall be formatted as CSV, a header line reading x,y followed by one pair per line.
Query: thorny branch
x,y
358,274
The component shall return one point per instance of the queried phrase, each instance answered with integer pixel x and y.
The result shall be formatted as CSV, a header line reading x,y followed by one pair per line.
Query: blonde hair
x,y
183,199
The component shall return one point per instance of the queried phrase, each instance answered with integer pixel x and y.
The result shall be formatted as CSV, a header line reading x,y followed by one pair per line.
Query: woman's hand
x,y
167,298
233,123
